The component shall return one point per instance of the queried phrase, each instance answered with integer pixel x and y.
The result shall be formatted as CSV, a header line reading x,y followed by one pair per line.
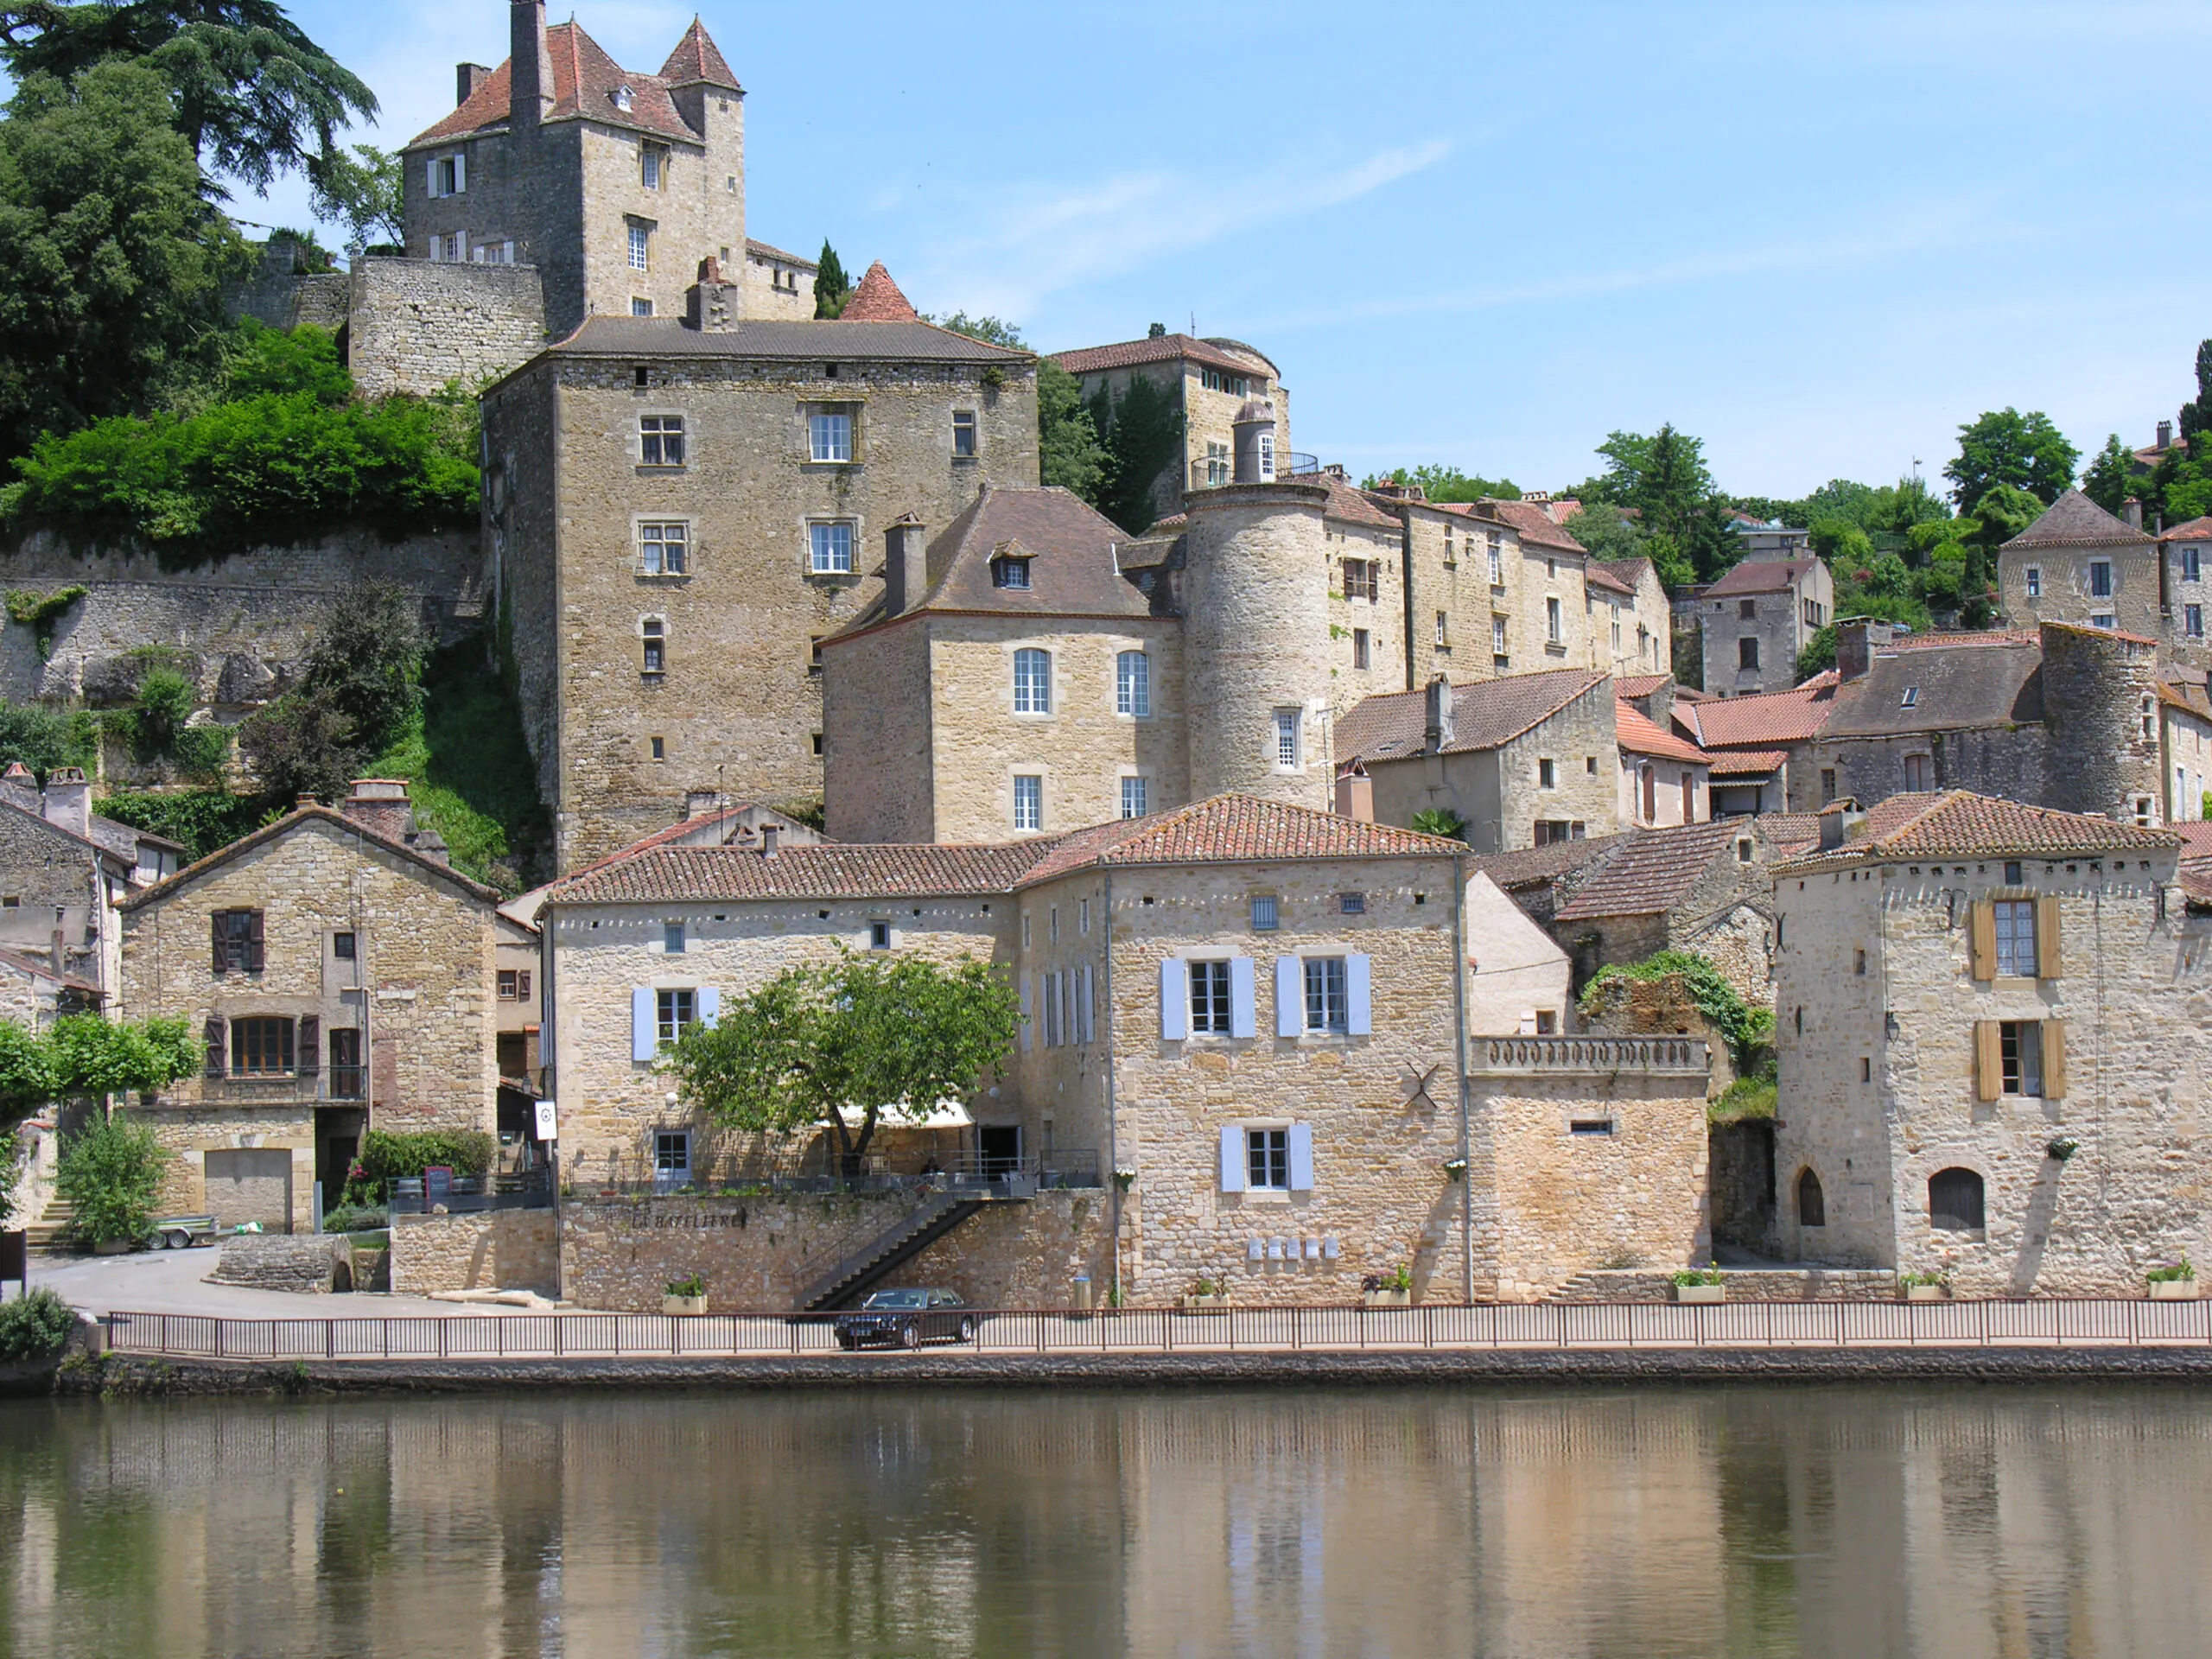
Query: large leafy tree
x,y
362,191
839,1042
2005,446
2110,478
1440,482
250,93
369,660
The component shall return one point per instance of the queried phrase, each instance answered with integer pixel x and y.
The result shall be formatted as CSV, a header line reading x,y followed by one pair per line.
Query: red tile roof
x,y
2195,838
1529,867
1348,505
585,81
2190,697
1640,685
1526,519
1761,576
1639,736
877,300
697,58
1959,824
2196,530
1763,720
1161,348
1238,829
1655,870
1600,577
24,963
1744,763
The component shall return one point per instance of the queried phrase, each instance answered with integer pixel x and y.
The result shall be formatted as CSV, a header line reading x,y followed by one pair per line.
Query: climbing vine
x,y
40,612
1745,1028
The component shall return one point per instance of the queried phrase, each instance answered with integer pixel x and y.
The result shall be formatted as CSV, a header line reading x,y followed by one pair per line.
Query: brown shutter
x,y
1988,1061
214,1033
2047,956
253,951
2053,1059
1982,927
310,1056
215,937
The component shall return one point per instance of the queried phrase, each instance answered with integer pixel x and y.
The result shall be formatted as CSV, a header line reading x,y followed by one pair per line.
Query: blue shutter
x,y
1025,1014
644,1040
1243,1021
1290,997
1232,1159
1359,1003
1174,1001
1301,1157
711,1005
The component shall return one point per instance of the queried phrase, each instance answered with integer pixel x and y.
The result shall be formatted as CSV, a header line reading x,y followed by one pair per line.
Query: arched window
x,y
1033,682
1812,1204
1955,1201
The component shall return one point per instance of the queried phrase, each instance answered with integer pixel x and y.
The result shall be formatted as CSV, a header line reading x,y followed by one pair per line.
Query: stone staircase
x,y
49,1234
890,1249
1741,1284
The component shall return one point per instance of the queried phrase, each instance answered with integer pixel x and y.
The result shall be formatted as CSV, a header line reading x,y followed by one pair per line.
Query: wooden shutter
x,y
1358,998
2047,956
1988,1061
1243,1014
2053,1059
222,961
1232,1159
253,954
1174,1001
307,1057
1981,926
1301,1157
1290,997
213,1032
644,1040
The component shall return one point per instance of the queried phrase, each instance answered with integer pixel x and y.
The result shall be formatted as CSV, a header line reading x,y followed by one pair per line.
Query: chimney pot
x,y
66,800
1857,639
2165,435
1356,793
380,806
2135,511
466,78
769,835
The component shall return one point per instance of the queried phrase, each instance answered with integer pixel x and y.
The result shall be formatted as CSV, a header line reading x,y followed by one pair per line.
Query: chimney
x,y
2165,435
698,803
305,798
466,78
530,73
1437,731
68,800
1841,822
59,952
430,844
379,806
2134,510
1356,793
906,565
769,835
1857,639
712,305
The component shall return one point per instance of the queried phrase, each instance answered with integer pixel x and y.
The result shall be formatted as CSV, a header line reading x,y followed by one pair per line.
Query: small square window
x,y
1589,1125
1547,774
2035,583
507,985
1352,904
1010,573
671,938
1590,765
879,936
640,307
660,439
829,437
1264,915
664,549
640,376
818,742
341,946
671,1152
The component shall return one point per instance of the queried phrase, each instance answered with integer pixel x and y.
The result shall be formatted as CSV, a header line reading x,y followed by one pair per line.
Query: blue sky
x,y
1817,237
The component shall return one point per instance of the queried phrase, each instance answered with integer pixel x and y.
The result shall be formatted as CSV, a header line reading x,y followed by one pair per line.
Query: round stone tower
x,y
1255,642
2101,712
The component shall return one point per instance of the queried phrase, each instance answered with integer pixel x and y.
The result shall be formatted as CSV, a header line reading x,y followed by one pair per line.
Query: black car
x,y
906,1319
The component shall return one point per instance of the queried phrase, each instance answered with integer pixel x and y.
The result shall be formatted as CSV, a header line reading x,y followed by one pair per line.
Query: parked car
x,y
906,1319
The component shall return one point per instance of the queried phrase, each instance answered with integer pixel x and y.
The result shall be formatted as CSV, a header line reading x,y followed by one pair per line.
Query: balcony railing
x,y
1072,1167
532,1189
1681,1055
347,1082
339,1082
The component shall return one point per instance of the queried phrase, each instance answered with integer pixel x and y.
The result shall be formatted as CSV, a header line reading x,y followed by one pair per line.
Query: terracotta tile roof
x,y
697,58
1640,685
753,245
24,963
1790,831
1761,721
2074,520
1242,829
2195,838
1167,348
2196,880
1976,637
1532,867
1959,824
1745,763
1484,714
602,336
2196,530
1600,577
1761,576
877,300
1654,871
1639,736
1348,505
2188,695
585,81
2101,633
1526,519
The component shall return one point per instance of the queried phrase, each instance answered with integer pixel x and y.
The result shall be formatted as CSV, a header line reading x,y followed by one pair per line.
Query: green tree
x,y
1607,532
110,1176
110,292
2110,478
264,362
816,1045
368,660
363,191
302,744
43,738
96,1057
992,330
253,96
1068,451
2005,446
1440,820
831,286
2197,415
1143,434
1449,484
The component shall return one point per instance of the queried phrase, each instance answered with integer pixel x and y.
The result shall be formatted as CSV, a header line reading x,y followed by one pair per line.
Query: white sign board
x,y
546,1129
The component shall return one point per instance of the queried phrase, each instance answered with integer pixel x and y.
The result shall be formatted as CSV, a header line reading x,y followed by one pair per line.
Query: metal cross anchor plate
x,y
1419,1080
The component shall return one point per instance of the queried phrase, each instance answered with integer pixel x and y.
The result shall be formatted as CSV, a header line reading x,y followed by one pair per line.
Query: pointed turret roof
x,y
696,59
877,300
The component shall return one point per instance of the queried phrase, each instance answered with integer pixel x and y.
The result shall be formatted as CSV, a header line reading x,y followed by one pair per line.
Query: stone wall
x,y
190,1129
484,1249
1658,1007
2012,762
2100,698
51,888
282,295
415,325
2134,603
1744,1192
1580,734
1382,619
1777,622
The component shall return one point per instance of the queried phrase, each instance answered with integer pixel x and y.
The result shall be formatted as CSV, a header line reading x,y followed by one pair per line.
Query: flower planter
x,y
2173,1290
1390,1298
1926,1292
1206,1304
689,1305
113,1247
1699,1293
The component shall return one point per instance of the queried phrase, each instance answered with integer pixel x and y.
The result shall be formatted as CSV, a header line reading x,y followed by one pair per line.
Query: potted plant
x,y
2174,1282
1205,1296
1699,1284
684,1296
1395,1291
1923,1287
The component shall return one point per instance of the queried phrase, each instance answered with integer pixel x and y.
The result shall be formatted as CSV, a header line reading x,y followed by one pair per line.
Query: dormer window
x,y
623,99
1009,572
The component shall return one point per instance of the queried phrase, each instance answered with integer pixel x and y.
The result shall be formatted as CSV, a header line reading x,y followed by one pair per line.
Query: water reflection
x,y
1566,1522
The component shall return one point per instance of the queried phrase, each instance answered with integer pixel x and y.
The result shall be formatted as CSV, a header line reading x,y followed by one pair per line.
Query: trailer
x,y
182,1232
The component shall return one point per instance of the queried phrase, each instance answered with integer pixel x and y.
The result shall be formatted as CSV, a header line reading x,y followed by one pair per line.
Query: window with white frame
x,y
448,250
829,436
1328,1007
674,1013
1134,791
641,247
640,307
671,1152
1009,572
664,547
1443,631
1289,727
2016,937
1498,636
2192,620
1209,999
1032,682
1028,801
1133,684
830,549
1218,464
1266,1159
1266,457
2190,569
494,253
2034,581
1497,551
2103,620
449,175
660,440
1552,634
652,166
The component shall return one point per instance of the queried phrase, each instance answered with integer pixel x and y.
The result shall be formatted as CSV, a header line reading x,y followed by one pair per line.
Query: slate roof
x,y
603,335
1761,576
753,245
1960,824
2196,530
877,299
585,81
1654,871
1763,720
1167,348
1639,736
2074,520
1485,712
1967,688
18,788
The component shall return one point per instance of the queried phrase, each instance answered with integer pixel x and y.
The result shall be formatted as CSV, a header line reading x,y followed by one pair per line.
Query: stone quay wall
x,y
484,1249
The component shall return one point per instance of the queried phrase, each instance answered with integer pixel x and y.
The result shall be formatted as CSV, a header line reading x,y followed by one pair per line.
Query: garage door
x,y
252,1183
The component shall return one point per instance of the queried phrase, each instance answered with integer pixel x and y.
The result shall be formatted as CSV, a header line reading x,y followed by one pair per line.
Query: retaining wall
x,y
484,1249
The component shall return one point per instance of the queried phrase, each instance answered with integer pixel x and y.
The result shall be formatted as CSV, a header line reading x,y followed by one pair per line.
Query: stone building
x,y
2078,564
1633,627
1662,779
1261,1014
1989,1018
2184,594
345,978
2185,741
1756,619
679,510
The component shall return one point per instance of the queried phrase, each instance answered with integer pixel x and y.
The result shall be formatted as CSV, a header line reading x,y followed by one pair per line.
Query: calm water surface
x,y
1555,1522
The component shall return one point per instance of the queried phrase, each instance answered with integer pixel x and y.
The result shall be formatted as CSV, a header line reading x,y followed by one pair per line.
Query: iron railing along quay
x,y
1074,1168
1436,1327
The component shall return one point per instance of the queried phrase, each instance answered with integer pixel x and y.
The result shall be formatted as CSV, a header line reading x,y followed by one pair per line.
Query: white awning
x,y
945,1115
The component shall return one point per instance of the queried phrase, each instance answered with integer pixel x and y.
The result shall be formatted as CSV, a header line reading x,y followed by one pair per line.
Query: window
x,y
2103,620
1496,561
660,748
1916,773
963,434
1828,784
674,1013
446,249
1812,1202
348,1078
2034,581
1547,774
879,936
654,640
1133,684
494,253
341,946
814,653
2189,569
1028,801
663,549
1552,831
829,550
514,984
641,308
1444,630
1858,961
671,1154
660,439
1288,725
1362,652
2020,1054
1133,792
1360,579
1552,635
2142,805
449,175
2192,620
1910,699
1032,682
1689,797
261,1047
829,437
1743,849
1009,572
2099,578
237,941
1266,1159
641,243
1266,457
1264,912
1219,468
2016,937
1327,1009
1352,904
1747,653
1955,1201
671,938
1746,609
641,376
651,159
1589,1125
1210,998
1498,639
1547,1022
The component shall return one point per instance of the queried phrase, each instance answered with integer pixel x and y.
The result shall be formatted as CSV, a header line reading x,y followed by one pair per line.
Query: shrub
x,y
36,1326
202,819
164,705
302,744
368,660
1440,820
355,1218
111,1175
43,740
1746,1097
696,1284
389,1156
1747,1030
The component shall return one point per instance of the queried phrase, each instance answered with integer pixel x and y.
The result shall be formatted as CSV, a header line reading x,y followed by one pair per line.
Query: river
x,y
1550,1522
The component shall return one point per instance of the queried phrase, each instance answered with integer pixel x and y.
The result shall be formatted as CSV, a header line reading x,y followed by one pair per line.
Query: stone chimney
x,y
1437,731
430,844
1356,793
466,78
379,806
2165,436
530,73
1841,822
769,835
713,304
2134,510
1857,639
68,800
906,565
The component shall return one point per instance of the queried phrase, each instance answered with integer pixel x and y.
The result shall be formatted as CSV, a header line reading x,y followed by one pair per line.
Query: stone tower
x,y
2100,707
